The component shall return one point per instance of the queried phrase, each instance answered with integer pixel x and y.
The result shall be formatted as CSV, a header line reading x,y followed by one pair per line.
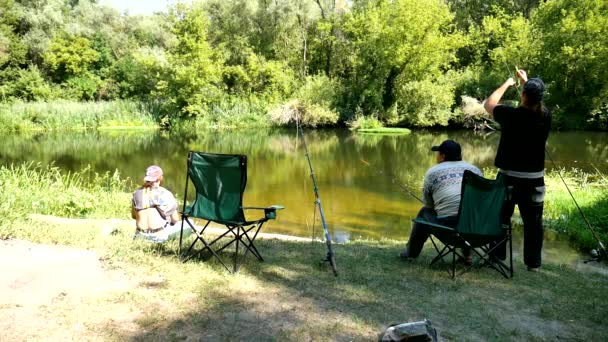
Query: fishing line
x,y
394,181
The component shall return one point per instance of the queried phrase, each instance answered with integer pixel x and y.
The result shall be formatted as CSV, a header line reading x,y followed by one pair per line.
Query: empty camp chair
x,y
478,226
219,181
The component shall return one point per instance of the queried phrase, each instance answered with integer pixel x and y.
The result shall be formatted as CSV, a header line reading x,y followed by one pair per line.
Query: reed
x,y
60,114
45,189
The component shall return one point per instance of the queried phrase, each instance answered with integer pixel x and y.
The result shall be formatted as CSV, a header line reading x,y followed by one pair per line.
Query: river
x,y
358,202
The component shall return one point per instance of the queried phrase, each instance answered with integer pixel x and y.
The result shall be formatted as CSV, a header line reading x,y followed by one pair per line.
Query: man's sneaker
x,y
533,269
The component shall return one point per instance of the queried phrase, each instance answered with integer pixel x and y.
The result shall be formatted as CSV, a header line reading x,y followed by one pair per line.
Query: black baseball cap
x,y
450,149
534,90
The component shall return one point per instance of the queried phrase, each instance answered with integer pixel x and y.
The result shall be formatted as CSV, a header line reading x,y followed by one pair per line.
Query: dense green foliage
x,y
402,62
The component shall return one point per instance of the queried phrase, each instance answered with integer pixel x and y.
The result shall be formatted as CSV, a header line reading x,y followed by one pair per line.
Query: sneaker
x,y
534,269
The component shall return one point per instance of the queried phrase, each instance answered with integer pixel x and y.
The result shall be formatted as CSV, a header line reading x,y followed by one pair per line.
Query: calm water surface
x,y
359,201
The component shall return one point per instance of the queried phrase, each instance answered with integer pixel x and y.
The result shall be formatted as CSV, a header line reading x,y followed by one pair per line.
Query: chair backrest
x,y
480,207
220,181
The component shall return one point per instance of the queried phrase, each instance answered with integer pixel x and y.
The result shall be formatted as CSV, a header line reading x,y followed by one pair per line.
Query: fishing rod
x,y
394,181
595,255
331,258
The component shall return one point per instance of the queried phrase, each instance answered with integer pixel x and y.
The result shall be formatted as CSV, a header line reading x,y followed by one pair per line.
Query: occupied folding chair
x,y
478,227
219,181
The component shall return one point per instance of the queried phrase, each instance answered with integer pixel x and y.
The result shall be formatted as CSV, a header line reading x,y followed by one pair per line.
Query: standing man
x,y
441,193
521,159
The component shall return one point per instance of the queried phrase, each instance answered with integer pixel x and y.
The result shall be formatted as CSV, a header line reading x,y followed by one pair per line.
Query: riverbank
x,y
142,292
73,115
33,188
125,114
290,296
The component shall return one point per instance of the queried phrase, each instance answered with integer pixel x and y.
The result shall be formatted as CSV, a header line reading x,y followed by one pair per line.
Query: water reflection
x,y
357,201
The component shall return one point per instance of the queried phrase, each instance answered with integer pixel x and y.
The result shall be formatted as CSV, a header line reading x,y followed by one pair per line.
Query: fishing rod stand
x,y
330,258
596,255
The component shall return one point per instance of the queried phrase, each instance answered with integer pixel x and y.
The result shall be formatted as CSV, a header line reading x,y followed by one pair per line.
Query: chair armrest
x,y
269,212
446,228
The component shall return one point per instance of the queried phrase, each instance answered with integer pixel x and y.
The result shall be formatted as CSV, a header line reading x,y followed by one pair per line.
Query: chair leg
x,y
251,247
181,234
510,252
236,253
453,264
199,237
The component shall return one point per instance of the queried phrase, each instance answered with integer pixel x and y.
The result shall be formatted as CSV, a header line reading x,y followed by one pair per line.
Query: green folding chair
x,y
219,181
478,227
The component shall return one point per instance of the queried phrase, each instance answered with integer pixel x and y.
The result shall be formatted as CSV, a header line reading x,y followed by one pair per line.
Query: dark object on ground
x,y
413,331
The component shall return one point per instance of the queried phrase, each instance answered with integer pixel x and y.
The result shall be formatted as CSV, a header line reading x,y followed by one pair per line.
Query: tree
x,y
392,46
192,79
573,44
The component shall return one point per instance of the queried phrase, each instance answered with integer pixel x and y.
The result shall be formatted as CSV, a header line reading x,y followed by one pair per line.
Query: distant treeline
x,y
402,62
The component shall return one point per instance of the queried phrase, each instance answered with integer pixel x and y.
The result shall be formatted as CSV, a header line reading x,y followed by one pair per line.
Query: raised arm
x,y
493,100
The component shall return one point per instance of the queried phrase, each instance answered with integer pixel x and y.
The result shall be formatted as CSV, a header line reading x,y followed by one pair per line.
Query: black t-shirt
x,y
522,139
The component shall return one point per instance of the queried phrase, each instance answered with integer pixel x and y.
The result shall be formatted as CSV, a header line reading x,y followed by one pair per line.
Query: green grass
x,y
384,130
591,193
57,115
292,296
35,188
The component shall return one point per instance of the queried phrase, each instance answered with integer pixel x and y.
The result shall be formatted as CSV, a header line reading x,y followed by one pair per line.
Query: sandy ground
x,y
53,292
38,282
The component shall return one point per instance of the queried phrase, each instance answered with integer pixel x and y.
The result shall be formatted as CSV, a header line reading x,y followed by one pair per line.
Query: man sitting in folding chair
x,y
219,181
441,193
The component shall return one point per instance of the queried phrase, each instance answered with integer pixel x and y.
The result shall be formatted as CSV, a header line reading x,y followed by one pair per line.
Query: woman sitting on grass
x,y
153,207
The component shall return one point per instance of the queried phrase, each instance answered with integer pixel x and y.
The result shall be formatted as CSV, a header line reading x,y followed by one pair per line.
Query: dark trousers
x,y
420,232
528,195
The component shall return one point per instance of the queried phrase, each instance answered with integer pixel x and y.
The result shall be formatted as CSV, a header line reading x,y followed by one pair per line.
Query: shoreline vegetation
x,y
249,63
290,296
85,194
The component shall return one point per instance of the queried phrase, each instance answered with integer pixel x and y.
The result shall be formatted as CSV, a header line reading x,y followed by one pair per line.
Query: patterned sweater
x,y
442,185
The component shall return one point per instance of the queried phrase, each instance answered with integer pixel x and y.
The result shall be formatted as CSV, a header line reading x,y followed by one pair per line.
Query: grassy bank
x,y
24,116
32,188
63,114
591,193
290,296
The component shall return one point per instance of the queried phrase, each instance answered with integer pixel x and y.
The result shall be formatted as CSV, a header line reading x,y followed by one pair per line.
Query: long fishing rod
x,y
394,181
594,254
602,248
331,258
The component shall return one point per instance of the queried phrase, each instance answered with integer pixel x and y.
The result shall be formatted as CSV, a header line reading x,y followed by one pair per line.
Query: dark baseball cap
x,y
534,89
450,149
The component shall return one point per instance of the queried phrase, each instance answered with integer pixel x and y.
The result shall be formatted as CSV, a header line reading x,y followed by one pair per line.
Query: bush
x,y
27,84
309,114
422,104
364,122
313,104
83,87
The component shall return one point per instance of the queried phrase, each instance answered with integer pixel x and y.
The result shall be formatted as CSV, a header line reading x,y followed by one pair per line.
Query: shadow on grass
x,y
294,296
